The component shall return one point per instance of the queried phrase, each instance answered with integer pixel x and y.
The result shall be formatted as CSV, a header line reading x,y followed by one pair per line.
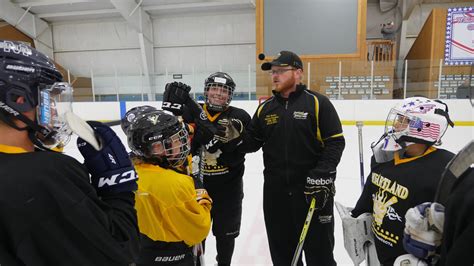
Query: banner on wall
x,y
459,47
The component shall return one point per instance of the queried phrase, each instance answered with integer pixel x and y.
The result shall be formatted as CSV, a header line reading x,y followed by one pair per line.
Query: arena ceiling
x,y
72,10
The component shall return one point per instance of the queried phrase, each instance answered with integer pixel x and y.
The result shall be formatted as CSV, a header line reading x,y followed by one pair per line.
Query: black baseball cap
x,y
284,58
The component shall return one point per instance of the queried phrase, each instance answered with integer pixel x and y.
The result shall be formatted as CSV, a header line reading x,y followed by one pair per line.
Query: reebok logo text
x,y
319,182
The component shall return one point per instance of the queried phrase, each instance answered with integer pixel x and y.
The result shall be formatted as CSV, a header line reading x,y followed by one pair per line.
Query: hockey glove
x,y
111,168
233,134
320,185
203,197
409,260
423,229
176,95
226,136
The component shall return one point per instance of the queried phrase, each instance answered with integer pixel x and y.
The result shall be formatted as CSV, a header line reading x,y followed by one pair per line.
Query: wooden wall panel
x,y
8,32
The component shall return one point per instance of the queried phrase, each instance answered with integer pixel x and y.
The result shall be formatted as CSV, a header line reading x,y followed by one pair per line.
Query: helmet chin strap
x,y
32,129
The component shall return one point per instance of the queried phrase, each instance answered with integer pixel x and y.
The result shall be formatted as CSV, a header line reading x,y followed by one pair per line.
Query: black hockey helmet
x,y
226,86
28,73
134,113
159,137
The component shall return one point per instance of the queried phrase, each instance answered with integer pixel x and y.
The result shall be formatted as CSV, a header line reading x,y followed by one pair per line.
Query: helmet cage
x,y
415,120
159,138
221,96
174,148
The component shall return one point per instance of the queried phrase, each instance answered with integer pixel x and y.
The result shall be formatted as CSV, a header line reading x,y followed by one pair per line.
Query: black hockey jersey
x,y
391,189
51,215
220,166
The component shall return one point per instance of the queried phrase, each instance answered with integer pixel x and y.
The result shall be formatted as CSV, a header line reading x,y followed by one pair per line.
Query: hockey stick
x,y
309,216
453,170
369,257
359,125
112,123
82,129
198,253
79,127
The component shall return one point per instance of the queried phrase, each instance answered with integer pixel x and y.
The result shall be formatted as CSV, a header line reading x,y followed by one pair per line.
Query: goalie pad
x,y
358,236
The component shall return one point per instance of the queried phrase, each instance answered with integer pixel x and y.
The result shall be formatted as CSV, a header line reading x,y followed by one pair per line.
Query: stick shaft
x,y
359,125
299,247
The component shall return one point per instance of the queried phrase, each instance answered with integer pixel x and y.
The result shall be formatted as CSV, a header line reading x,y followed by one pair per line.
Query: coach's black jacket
x,y
296,134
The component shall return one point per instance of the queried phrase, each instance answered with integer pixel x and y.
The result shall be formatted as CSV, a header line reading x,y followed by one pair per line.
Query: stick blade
x,y
82,129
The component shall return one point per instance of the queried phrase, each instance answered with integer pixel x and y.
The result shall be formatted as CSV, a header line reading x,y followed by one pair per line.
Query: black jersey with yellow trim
x,y
220,165
391,189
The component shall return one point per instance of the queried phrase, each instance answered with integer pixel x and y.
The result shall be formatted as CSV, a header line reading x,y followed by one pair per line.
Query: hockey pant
x,y
226,216
285,211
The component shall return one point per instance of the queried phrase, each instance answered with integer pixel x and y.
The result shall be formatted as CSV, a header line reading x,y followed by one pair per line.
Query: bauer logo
x,y
8,109
20,68
170,258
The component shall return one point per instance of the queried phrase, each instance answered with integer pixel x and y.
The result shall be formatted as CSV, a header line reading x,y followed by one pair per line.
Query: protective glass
x,y
175,148
54,101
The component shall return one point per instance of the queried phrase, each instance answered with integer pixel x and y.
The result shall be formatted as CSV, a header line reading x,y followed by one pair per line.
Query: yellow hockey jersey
x,y
166,206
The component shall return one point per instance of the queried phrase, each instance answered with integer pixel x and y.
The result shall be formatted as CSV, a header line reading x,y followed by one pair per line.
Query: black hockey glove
x,y
176,95
218,137
233,134
111,168
320,185
213,136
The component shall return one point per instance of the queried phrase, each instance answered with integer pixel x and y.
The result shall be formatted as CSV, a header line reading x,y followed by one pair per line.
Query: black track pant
x,y
285,211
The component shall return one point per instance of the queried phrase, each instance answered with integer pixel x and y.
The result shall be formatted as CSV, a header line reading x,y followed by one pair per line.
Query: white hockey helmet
x,y
416,120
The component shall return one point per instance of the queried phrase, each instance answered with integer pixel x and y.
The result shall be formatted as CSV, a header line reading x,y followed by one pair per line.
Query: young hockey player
x,y
221,169
173,214
405,170
51,214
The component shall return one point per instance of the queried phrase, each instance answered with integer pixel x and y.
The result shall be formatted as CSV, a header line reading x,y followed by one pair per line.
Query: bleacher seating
x,y
361,86
450,83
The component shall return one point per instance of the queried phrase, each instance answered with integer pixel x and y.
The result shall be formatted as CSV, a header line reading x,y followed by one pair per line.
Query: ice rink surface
x,y
251,246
